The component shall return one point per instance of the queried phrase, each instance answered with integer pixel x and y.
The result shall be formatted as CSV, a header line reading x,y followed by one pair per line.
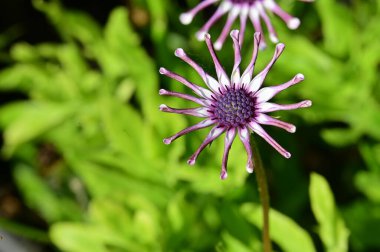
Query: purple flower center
x,y
234,108
250,2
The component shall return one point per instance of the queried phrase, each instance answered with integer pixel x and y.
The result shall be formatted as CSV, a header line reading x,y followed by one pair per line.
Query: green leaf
x,y
24,52
70,24
332,229
234,223
23,230
72,62
103,181
175,214
283,230
40,80
77,237
337,25
371,155
123,135
123,46
10,112
35,119
363,220
9,35
110,227
234,245
39,196
159,16
22,77
369,184
340,137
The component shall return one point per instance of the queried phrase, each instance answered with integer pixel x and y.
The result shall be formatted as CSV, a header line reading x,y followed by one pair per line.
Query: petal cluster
x,y
255,10
233,105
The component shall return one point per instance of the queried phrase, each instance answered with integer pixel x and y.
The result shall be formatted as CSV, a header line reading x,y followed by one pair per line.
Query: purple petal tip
x,y
262,45
307,103
287,155
273,38
167,141
223,175
163,70
218,45
292,129
162,91
249,169
280,46
179,52
294,23
299,77
191,161
163,107
234,33
257,36
200,35
186,18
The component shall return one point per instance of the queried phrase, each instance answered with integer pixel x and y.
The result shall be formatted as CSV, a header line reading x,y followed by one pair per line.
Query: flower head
x,y
255,10
235,105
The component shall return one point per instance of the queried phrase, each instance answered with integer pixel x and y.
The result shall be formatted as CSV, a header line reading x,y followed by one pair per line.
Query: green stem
x,y
264,195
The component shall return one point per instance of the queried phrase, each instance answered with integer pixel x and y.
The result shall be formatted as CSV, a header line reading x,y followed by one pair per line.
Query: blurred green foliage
x,y
86,145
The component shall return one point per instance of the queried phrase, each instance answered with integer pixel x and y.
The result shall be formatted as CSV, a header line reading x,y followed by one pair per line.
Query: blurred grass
x,y
108,183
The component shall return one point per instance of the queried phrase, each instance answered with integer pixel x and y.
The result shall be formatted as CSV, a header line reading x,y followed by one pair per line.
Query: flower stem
x,y
264,195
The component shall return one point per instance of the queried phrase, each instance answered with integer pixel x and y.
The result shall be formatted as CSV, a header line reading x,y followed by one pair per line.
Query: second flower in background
x,y
255,10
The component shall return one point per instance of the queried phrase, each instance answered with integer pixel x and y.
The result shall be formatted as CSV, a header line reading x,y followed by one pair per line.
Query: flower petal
x,y
244,135
270,107
235,76
200,101
268,120
247,75
233,14
199,112
268,23
203,124
230,136
188,16
205,93
243,23
291,22
256,83
223,8
214,133
265,94
222,76
255,127
255,19
210,81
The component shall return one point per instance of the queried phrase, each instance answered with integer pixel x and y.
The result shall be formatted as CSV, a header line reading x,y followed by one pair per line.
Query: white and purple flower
x,y
255,10
235,105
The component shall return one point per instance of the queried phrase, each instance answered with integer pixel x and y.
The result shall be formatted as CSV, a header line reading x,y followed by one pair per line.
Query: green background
x,y
83,166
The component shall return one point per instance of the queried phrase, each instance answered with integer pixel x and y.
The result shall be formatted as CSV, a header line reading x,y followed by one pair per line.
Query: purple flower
x,y
252,9
236,105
